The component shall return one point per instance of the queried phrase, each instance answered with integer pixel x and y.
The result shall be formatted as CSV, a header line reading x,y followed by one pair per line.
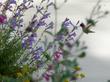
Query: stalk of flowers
x,y
10,38
28,37
58,57
30,34
33,29
37,51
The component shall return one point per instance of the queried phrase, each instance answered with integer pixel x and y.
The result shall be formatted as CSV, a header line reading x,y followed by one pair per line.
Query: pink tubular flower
x,y
58,56
47,76
49,72
2,19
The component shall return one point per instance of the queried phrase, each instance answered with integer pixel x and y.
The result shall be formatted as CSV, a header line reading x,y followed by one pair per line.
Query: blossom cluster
x,y
54,57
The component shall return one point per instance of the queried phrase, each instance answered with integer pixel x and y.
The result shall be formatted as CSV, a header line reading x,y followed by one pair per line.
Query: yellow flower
x,y
19,74
82,75
77,68
26,81
79,75
66,80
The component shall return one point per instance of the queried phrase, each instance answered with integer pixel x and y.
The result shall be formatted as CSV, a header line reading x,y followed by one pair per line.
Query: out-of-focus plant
x,y
39,46
10,50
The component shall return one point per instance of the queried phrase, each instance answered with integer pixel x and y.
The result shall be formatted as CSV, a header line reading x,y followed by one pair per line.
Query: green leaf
x,y
50,33
66,74
61,44
69,63
46,55
77,43
66,53
63,31
82,55
87,30
91,22
25,69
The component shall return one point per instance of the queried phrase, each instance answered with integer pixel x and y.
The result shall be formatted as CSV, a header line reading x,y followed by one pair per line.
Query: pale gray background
x,y
97,63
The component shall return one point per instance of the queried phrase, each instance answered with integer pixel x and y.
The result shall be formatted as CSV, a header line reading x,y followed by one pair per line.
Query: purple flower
x,y
41,23
46,15
12,2
29,41
40,63
40,49
2,19
38,53
24,1
70,38
67,23
60,37
18,13
24,43
50,25
39,9
13,22
73,34
33,35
